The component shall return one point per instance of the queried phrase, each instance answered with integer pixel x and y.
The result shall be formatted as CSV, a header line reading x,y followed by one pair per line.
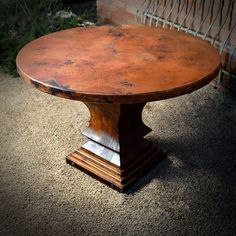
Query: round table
x,y
115,70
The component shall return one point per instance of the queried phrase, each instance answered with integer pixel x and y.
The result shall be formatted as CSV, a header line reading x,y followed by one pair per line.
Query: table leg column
x,y
116,153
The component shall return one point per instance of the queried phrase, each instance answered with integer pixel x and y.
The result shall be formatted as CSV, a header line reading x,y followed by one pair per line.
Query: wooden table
x,y
115,70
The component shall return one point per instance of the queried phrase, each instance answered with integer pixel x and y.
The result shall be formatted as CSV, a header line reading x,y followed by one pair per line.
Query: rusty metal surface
x,y
123,64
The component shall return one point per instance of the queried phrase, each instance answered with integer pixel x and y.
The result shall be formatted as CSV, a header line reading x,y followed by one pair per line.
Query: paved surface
x,y
191,192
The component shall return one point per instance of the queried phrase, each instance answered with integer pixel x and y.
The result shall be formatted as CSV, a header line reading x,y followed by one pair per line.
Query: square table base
x,y
117,154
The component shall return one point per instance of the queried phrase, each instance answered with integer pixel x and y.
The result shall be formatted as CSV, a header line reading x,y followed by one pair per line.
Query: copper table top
x,y
121,64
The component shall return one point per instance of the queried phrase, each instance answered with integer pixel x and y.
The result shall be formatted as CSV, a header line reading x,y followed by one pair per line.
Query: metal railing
x,y
211,20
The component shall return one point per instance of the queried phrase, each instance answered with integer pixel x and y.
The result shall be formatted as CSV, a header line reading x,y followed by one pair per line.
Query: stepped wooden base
x,y
111,174
117,154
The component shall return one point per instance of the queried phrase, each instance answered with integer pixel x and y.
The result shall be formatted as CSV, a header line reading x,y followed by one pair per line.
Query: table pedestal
x,y
116,153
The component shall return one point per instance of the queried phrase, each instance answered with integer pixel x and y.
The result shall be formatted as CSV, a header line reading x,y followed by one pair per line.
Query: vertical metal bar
x,y
215,18
231,15
224,46
208,11
147,10
212,11
226,40
165,7
188,12
222,25
178,13
167,17
219,80
221,13
142,10
151,18
185,4
166,3
151,5
231,59
202,6
194,14
157,20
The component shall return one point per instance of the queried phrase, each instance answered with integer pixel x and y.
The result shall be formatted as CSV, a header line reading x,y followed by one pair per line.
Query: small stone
x,y
64,14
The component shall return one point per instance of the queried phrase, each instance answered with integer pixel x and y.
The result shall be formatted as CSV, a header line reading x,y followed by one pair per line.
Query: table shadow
x,y
205,143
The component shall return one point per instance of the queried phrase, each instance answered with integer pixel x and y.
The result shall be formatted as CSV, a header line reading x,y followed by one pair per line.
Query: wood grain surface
x,y
117,152
118,64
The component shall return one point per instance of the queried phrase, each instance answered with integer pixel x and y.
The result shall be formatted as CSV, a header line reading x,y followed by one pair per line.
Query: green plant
x,y
21,21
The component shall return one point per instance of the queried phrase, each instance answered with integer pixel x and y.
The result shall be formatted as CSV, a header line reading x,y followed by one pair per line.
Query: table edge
x,y
124,98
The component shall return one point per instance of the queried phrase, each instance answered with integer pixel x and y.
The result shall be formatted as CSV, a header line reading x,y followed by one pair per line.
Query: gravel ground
x,y
191,192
